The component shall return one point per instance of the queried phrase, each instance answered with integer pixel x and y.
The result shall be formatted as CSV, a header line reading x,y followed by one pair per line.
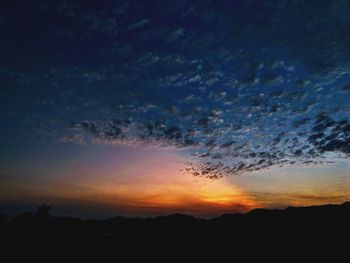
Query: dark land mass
x,y
310,229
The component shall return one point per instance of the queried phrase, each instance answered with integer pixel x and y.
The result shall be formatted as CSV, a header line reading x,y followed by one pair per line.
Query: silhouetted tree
x,y
43,211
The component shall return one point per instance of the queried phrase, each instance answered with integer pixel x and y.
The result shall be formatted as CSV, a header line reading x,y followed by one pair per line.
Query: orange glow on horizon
x,y
148,182
174,192
150,185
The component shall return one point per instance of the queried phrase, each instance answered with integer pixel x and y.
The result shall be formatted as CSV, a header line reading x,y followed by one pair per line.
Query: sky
x,y
146,108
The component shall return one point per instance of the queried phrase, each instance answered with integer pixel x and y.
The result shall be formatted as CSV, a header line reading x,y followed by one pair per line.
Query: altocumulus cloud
x,y
188,75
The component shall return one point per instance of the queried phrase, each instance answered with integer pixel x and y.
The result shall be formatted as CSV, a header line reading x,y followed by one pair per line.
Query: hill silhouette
x,y
290,229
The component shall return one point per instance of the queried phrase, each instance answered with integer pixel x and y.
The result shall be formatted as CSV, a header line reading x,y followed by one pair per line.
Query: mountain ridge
x,y
313,226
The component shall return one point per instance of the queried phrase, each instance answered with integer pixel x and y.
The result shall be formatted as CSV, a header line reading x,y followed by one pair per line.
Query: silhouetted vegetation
x,y
43,212
260,228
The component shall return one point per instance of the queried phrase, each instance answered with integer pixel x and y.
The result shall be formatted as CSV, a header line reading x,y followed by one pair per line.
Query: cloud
x,y
138,25
179,78
271,79
346,88
302,83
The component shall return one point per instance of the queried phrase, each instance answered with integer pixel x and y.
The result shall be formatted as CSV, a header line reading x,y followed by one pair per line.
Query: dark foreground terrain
x,y
311,229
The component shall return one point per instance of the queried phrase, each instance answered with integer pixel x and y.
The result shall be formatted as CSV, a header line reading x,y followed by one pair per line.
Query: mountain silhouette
x,y
290,229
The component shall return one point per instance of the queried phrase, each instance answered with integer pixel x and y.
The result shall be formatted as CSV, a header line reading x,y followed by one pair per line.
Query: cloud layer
x,y
232,83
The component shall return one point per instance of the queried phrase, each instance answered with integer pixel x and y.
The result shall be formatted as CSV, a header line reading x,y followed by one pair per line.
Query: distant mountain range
x,y
291,228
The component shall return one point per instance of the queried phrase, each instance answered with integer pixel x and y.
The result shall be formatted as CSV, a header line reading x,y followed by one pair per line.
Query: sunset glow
x,y
151,181
206,108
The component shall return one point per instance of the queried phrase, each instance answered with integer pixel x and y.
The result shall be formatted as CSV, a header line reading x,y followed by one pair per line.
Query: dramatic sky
x,y
141,108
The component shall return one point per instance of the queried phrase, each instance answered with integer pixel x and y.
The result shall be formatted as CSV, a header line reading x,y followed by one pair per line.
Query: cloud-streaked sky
x,y
153,107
